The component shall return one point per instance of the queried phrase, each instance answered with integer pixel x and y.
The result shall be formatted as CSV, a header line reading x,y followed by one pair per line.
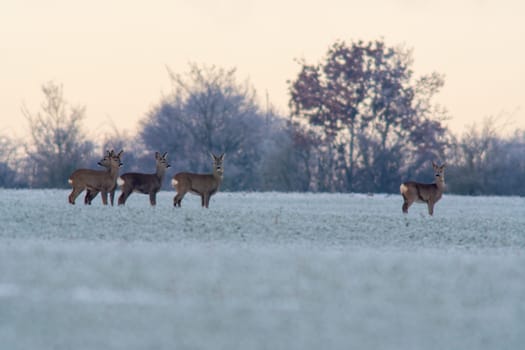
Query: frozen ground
x,y
261,271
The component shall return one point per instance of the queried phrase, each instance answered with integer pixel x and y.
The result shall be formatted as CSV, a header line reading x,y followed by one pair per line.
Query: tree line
x,y
359,121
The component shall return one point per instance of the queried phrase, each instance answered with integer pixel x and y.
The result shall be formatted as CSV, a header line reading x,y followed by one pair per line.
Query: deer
x,y
204,185
91,194
424,192
144,183
95,181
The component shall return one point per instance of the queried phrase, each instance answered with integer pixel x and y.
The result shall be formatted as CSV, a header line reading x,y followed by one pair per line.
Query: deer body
x,y
95,181
144,183
204,185
422,192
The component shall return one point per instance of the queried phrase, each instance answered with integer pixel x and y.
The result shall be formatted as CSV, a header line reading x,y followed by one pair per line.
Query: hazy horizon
x,y
111,57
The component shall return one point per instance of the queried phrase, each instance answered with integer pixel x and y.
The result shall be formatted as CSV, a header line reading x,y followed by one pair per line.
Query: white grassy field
x,y
261,271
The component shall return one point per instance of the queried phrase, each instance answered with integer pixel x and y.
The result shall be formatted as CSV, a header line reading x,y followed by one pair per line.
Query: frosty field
x,y
261,271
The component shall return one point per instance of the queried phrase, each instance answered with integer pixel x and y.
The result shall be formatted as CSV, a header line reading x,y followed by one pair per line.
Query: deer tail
x,y
120,181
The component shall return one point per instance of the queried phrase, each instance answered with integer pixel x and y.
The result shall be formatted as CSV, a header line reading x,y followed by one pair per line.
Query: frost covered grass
x,y
261,271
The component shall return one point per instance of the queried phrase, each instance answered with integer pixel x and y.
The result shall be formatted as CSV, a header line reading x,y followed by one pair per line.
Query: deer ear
x,y
121,151
165,155
434,165
222,156
157,155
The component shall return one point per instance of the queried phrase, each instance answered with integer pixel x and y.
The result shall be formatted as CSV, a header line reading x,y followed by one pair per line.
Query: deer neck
x,y
113,171
160,172
218,176
440,183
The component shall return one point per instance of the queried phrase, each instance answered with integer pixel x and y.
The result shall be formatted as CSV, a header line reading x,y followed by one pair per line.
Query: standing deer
x,y
91,193
144,183
95,181
424,193
204,185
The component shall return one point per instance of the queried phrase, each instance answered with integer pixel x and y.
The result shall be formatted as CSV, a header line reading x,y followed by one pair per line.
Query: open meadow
x,y
261,271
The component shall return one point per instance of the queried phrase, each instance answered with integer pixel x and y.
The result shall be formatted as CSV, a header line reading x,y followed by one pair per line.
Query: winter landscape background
x,y
261,271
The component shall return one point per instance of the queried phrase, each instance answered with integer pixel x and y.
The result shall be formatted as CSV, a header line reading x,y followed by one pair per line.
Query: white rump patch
x,y
120,181
69,181
174,182
403,188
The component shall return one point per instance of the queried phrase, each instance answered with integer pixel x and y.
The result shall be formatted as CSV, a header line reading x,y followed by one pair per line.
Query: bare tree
x,y
8,162
209,111
485,162
57,144
289,159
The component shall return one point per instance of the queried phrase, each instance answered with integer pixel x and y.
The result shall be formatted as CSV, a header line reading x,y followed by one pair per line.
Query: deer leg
x,y
153,198
178,199
86,198
405,207
74,194
94,193
104,195
112,196
406,204
90,195
123,196
206,199
430,208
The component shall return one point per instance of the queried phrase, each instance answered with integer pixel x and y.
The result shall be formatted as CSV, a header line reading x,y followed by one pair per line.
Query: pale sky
x,y
111,55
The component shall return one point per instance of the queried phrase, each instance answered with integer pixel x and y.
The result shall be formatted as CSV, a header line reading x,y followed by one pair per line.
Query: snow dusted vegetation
x,y
261,271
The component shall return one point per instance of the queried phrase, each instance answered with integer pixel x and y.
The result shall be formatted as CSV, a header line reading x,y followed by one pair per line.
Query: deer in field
x,y
144,183
95,181
91,193
423,192
204,185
